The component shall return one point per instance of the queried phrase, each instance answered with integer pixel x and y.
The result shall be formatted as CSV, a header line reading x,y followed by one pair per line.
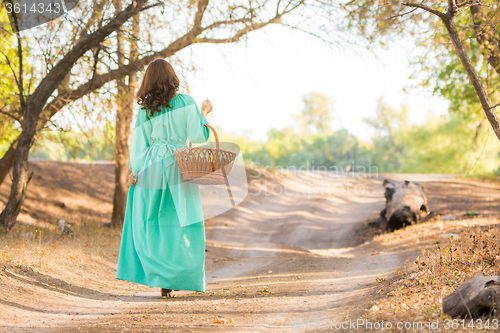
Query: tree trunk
x,y
124,112
7,161
20,177
448,21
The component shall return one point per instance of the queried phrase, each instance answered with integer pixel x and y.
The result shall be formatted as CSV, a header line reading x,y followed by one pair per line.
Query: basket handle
x,y
215,136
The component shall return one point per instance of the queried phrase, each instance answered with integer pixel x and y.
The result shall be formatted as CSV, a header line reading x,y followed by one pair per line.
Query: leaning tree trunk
x,y
7,161
449,23
20,177
124,112
448,20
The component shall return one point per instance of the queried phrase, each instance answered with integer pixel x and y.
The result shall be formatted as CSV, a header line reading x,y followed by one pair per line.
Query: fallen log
x,y
406,204
476,297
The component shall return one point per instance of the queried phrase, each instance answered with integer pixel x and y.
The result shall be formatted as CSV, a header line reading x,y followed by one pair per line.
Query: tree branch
x,y
65,97
494,106
10,67
471,73
15,27
202,6
424,7
286,11
237,36
10,115
403,14
220,23
52,80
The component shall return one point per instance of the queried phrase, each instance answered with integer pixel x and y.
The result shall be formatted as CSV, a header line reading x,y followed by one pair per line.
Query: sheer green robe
x,y
163,240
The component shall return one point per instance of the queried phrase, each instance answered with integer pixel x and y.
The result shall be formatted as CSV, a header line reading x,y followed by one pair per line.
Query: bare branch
x,y
494,106
424,7
202,6
403,14
349,3
228,22
21,65
452,6
237,36
96,16
19,81
310,33
468,4
10,67
10,115
156,4
134,64
59,71
286,11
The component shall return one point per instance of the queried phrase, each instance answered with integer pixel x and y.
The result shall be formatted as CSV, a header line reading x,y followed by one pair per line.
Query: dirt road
x,y
291,253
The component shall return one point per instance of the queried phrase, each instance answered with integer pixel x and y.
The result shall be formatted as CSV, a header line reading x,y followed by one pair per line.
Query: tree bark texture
x,y
7,161
475,297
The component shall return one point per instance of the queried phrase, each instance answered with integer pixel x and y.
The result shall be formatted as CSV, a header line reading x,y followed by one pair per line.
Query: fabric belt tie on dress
x,y
164,147
165,150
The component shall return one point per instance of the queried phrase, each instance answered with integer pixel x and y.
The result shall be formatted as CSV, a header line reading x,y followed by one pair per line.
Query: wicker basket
x,y
205,166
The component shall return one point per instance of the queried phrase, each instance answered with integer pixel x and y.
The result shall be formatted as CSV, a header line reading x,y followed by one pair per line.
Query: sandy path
x,y
305,227
289,253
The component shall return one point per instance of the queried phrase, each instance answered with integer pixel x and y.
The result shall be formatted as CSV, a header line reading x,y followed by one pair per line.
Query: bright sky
x,y
257,86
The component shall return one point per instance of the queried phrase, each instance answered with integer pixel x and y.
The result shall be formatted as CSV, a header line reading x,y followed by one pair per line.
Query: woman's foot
x,y
166,292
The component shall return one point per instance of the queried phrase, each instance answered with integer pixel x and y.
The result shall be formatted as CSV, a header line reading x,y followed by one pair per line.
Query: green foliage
x,y
390,128
446,146
441,71
317,114
69,146
289,149
8,128
436,65
441,145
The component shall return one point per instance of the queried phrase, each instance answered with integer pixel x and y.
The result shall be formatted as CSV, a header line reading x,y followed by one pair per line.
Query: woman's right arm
x,y
140,141
196,131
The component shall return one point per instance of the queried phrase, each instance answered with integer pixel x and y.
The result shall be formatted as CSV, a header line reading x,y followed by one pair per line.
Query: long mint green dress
x,y
163,240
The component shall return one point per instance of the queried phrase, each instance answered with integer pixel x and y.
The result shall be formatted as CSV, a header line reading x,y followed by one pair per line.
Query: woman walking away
x,y
163,240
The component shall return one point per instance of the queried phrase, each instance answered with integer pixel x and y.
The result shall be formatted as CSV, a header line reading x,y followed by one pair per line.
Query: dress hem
x,y
153,285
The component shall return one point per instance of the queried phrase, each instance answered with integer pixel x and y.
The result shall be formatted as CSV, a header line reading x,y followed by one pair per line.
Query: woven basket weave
x,y
205,166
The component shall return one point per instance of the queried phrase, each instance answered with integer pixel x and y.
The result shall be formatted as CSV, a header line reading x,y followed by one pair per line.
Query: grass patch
x,y
44,248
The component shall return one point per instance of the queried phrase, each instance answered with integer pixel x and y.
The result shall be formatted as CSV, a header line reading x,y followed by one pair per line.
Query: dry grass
x,y
47,250
417,291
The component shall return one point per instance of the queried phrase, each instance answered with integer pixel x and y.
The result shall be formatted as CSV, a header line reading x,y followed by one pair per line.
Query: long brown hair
x,y
158,87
